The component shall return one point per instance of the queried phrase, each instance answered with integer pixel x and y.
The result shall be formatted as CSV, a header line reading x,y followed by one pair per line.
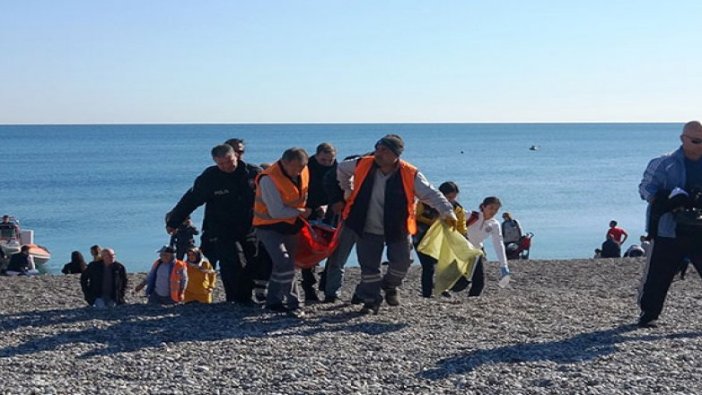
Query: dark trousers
x,y
667,256
477,282
478,279
236,258
428,265
308,280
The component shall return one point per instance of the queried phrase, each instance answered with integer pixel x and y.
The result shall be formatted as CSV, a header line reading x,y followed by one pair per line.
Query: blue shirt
x,y
664,173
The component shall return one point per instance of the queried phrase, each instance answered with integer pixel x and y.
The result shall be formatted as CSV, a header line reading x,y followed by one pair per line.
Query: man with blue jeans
x,y
381,193
669,185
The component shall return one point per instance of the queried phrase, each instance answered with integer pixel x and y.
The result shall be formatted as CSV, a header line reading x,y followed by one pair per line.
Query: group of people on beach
x,y
254,215
614,240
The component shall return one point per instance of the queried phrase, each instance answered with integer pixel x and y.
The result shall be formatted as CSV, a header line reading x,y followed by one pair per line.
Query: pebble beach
x,y
561,327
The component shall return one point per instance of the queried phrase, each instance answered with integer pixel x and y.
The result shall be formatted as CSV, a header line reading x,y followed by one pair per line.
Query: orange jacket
x,y
408,174
178,279
290,194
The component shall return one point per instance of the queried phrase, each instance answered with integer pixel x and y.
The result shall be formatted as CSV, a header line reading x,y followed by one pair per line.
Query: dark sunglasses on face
x,y
693,140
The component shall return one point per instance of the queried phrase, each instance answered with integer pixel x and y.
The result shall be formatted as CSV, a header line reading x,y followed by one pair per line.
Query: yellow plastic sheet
x,y
455,255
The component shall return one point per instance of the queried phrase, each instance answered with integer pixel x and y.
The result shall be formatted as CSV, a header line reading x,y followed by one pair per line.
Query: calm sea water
x,y
112,184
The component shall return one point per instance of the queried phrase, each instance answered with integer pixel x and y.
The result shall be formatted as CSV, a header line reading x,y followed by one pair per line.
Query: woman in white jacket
x,y
482,225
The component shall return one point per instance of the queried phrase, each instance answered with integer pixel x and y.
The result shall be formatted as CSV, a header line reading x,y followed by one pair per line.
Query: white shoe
x,y
505,276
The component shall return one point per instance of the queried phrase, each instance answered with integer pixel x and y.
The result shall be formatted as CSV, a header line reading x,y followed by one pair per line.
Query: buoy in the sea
x,y
534,148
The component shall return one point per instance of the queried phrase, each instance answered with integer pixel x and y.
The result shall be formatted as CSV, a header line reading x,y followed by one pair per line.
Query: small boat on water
x,y
12,238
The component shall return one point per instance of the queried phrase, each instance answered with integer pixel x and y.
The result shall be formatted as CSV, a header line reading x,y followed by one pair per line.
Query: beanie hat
x,y
392,142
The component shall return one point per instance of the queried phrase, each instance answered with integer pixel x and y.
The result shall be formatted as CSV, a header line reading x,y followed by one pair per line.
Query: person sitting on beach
x,y
426,216
481,225
511,230
167,280
104,281
184,237
381,191
617,234
281,194
598,254
634,251
201,278
76,265
611,249
21,263
95,252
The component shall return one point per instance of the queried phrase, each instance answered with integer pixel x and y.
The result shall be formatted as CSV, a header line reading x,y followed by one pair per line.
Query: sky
x,y
172,61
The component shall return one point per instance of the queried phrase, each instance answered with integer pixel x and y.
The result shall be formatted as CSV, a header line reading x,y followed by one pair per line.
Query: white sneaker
x,y
505,276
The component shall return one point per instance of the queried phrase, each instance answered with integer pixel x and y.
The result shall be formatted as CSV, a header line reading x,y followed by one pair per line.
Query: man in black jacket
x,y
321,163
104,282
227,191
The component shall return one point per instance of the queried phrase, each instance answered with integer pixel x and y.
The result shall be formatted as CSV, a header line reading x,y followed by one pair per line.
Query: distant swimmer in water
x,y
534,148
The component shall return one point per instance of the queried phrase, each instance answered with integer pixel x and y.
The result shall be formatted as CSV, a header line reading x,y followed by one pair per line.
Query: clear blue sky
x,y
153,61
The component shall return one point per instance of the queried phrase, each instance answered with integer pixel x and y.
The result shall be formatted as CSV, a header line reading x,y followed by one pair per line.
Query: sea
x,y
79,185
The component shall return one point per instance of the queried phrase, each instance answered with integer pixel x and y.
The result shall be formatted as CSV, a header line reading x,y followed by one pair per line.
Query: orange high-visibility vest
x,y
175,278
407,173
290,194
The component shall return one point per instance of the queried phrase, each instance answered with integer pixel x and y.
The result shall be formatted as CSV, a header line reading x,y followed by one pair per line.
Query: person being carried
x,y
104,281
167,280
380,211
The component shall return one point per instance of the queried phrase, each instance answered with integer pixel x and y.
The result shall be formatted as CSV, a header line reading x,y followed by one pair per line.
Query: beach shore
x,y
561,327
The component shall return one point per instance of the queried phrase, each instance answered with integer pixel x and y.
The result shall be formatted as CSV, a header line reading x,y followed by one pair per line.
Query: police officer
x,y
227,191
669,185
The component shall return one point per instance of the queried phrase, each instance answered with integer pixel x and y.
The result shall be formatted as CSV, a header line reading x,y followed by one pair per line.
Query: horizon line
x,y
339,123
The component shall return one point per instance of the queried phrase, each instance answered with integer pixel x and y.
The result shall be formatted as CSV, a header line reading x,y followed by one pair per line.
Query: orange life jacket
x,y
407,173
175,278
290,194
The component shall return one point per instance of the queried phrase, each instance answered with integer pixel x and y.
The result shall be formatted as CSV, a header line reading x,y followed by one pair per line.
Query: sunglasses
x,y
693,140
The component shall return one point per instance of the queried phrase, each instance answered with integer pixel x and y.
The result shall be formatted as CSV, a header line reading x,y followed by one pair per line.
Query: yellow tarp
x,y
455,255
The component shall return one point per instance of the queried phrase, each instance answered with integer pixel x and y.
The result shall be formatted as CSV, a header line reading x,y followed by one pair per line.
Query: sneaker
x,y
391,297
330,299
505,276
